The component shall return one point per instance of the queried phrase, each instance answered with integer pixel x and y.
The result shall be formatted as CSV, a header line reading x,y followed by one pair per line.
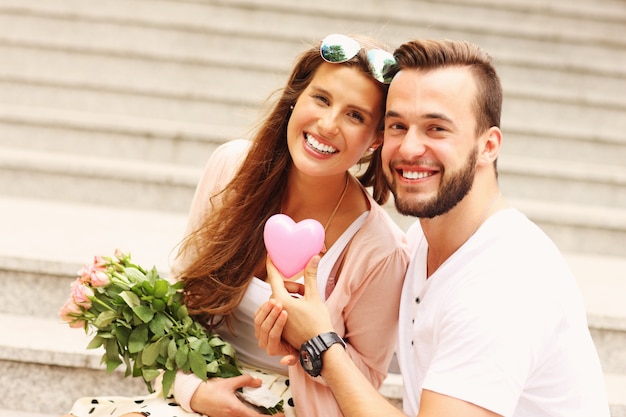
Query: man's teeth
x,y
320,147
414,175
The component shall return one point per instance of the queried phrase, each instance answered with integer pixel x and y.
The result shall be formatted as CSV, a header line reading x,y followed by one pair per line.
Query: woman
x,y
327,119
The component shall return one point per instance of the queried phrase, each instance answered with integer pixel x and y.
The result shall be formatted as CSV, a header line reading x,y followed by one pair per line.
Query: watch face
x,y
305,360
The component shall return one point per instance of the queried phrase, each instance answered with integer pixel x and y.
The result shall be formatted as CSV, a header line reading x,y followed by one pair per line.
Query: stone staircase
x,y
109,110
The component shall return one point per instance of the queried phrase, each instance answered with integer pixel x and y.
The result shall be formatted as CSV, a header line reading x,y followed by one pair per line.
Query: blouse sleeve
x,y
218,171
371,316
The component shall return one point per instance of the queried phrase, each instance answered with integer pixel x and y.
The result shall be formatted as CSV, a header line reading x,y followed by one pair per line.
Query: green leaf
x,y
158,323
198,364
130,298
161,287
150,374
182,313
215,341
196,344
112,355
168,381
138,339
150,354
227,370
134,274
172,349
158,304
123,334
144,313
182,356
212,368
105,318
228,350
95,343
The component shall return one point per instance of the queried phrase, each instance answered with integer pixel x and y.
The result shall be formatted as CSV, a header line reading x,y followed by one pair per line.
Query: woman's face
x,y
335,120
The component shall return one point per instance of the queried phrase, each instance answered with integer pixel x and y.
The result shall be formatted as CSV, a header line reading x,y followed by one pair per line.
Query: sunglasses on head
x,y
337,48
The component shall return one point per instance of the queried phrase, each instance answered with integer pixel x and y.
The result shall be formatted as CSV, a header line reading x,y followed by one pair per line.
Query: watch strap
x,y
312,350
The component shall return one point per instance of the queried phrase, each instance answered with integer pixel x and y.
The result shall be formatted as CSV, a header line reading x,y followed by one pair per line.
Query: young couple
x,y
491,321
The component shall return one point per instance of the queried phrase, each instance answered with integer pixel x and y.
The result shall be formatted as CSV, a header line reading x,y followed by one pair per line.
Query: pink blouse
x,y
363,304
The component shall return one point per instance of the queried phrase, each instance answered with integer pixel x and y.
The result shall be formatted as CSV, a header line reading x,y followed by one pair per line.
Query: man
x,y
491,320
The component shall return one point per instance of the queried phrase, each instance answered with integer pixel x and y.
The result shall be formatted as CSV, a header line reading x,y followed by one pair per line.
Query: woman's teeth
x,y
320,147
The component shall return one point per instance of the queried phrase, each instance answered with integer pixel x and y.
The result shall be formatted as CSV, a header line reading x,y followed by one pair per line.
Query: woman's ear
x,y
378,141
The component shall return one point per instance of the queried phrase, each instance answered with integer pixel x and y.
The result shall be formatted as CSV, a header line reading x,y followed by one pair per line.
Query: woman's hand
x,y
291,319
217,397
269,323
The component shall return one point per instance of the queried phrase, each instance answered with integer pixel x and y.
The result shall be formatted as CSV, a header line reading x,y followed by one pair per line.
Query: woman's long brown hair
x,y
223,253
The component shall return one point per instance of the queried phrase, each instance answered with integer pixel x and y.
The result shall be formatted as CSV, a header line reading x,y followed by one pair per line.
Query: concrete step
x,y
540,102
579,228
531,21
99,99
67,233
540,178
102,69
94,70
563,143
83,179
45,367
118,137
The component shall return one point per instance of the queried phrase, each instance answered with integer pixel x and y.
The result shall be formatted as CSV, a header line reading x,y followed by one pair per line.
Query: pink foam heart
x,y
290,245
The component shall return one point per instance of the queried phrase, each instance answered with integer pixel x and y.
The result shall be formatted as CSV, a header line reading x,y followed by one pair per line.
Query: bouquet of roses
x,y
140,320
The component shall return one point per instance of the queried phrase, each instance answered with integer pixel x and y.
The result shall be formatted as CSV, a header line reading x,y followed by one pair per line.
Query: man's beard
x,y
451,191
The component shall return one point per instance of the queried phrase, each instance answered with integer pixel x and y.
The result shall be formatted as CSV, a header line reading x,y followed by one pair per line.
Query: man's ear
x,y
492,141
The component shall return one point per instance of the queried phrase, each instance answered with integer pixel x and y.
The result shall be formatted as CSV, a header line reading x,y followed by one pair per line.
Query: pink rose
x,y
99,262
81,294
85,273
99,278
69,314
95,273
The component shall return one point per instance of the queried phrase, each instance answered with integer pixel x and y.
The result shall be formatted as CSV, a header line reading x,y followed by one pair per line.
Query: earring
x,y
291,107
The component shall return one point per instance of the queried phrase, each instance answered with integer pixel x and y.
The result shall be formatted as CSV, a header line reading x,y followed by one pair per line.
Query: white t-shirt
x,y
500,324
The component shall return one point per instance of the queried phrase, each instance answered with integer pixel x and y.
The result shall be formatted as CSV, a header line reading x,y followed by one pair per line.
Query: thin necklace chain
x,y
343,194
332,215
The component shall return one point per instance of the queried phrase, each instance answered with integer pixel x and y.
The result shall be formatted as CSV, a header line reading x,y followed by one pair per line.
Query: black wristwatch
x,y
311,351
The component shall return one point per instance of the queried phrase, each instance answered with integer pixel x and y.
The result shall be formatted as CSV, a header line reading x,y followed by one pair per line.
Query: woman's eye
x,y
357,116
321,98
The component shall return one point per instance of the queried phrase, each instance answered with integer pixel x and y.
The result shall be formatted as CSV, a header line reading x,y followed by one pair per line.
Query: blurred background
x,y
109,109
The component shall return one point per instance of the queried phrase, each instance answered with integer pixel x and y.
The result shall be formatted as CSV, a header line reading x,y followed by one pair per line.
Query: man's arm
x,y
297,320
300,319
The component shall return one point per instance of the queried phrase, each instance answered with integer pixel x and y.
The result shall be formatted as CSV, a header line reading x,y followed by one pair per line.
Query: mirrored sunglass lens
x,y
380,61
339,48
